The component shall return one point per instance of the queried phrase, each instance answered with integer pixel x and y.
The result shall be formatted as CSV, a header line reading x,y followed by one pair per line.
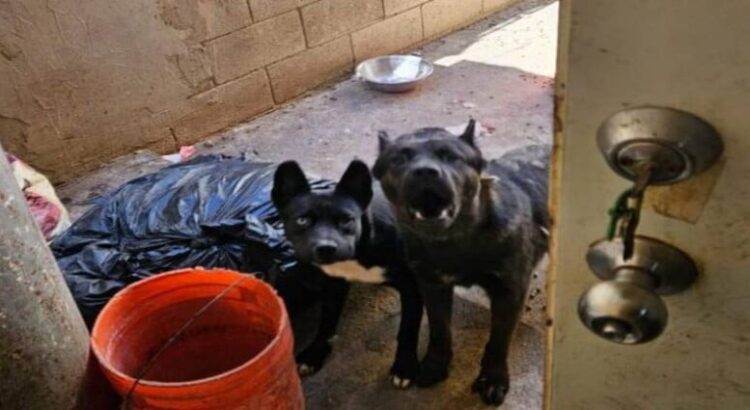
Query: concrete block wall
x,y
86,81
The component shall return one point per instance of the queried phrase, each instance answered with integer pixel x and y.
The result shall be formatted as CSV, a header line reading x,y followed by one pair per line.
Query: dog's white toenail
x,y
400,383
305,370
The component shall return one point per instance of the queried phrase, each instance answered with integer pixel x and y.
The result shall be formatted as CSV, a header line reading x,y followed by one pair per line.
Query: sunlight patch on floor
x,y
527,41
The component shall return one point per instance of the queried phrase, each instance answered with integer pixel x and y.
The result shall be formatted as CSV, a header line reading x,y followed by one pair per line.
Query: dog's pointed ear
x,y
468,135
356,183
378,169
289,181
384,141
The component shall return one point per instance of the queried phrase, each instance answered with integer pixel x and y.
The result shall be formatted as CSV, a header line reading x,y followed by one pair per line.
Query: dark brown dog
x,y
467,222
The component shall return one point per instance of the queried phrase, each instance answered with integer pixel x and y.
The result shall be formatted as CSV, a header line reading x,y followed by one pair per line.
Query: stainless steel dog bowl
x,y
394,73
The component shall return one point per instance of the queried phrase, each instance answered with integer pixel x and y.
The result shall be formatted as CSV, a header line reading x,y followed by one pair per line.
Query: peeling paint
x,y
182,15
9,49
193,68
685,201
76,89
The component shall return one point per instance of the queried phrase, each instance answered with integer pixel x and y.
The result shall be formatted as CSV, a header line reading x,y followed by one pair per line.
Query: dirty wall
x,y
84,81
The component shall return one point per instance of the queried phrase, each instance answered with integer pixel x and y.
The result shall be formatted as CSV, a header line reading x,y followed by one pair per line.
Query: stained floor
x,y
498,71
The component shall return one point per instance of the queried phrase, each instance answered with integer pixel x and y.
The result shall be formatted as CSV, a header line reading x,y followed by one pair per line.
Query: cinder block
x,y
304,71
256,46
396,6
263,9
329,19
496,5
223,106
440,16
393,34
223,16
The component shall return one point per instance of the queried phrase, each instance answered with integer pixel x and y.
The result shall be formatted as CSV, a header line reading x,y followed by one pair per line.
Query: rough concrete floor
x,y
498,71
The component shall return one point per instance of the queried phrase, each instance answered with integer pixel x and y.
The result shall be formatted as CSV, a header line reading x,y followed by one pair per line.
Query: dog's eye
x,y
447,155
303,221
346,222
403,156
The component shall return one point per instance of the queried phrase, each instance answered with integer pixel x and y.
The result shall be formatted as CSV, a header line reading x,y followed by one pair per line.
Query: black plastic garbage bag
x,y
212,211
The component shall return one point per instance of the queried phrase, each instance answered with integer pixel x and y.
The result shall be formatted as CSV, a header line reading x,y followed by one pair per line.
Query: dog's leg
x,y
438,301
493,381
312,358
406,363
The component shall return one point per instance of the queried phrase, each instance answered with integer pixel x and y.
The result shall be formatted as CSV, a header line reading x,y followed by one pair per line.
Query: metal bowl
x,y
394,73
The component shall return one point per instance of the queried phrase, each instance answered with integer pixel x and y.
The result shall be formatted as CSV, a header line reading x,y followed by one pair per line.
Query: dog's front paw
x,y
403,372
311,359
492,389
400,383
432,371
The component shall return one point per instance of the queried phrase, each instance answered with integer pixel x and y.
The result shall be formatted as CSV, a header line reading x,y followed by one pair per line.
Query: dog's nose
x,y
426,171
325,252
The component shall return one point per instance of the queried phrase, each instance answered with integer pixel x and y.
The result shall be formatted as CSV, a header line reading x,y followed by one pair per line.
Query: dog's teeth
x,y
444,214
419,215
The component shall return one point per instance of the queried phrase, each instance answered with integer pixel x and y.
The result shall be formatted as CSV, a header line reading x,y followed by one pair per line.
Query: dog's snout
x,y
326,251
426,171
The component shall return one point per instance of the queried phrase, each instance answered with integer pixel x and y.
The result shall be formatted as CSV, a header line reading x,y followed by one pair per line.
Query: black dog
x,y
349,241
464,221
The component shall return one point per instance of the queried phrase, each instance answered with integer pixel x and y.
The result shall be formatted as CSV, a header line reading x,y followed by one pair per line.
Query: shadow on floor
x,y
457,43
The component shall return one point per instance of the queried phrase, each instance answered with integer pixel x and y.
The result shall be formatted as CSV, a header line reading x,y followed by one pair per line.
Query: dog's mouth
x,y
325,260
323,257
431,206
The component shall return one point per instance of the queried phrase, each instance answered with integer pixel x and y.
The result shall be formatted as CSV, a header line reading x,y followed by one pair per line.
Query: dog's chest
x,y
462,262
353,271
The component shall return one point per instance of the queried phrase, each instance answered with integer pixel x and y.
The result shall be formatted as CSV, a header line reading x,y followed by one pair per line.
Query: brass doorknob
x,y
627,307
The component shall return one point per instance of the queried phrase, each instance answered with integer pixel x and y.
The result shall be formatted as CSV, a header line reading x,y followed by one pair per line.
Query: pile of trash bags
x,y
211,211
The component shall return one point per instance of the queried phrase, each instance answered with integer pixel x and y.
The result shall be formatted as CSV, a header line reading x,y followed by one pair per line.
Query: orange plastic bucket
x,y
237,354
